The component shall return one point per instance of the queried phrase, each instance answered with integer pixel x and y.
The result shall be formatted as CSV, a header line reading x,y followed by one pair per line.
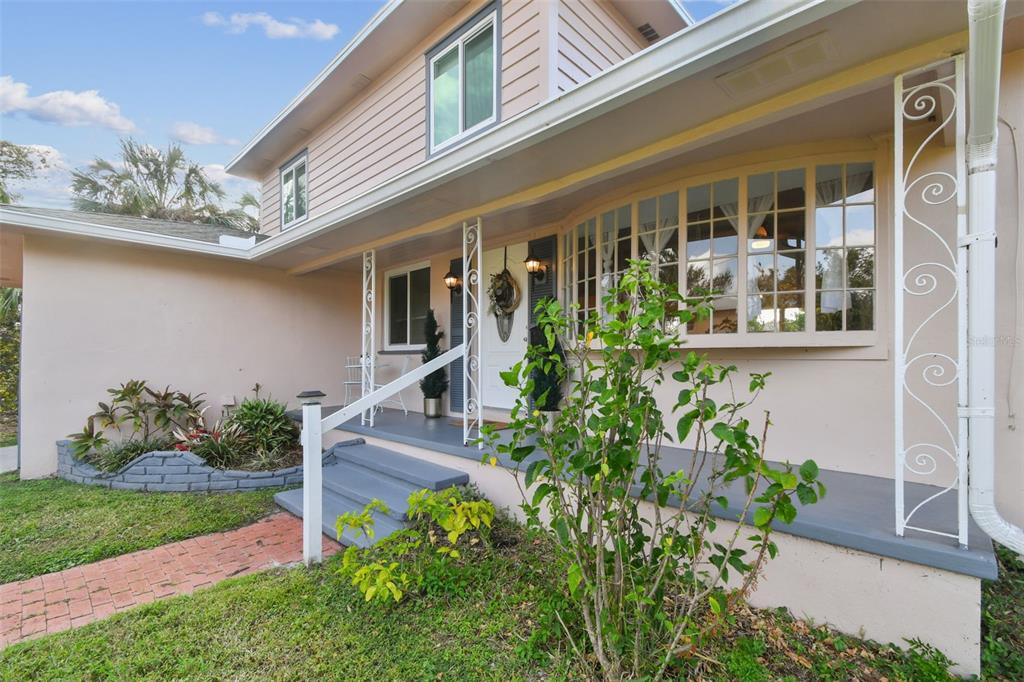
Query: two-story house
x,y
828,169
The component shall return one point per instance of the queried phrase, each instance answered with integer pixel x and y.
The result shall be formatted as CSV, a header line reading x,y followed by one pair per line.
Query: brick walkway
x,y
80,595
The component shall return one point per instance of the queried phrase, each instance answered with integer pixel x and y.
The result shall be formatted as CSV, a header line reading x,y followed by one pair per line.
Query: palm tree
x,y
153,183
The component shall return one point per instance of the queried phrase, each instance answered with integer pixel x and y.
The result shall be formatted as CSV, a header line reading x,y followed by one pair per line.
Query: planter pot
x,y
549,417
432,407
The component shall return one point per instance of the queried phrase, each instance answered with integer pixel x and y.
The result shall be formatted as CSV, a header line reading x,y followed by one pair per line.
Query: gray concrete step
x,y
362,473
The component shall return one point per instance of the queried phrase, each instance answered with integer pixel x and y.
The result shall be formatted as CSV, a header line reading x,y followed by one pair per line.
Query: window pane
x,y
668,210
860,225
829,311
648,215
300,191
791,271
760,230
860,268
828,269
698,203
791,189
761,313
723,279
398,304
725,237
698,241
724,319
479,82
828,187
791,230
444,100
698,279
860,310
726,194
792,317
761,193
419,304
860,183
288,196
828,227
668,240
761,273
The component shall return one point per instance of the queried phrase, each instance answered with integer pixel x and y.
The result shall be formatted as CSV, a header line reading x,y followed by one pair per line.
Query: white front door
x,y
498,355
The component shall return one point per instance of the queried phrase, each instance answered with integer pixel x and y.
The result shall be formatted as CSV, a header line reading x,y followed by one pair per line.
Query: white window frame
x,y
458,43
301,159
394,272
742,338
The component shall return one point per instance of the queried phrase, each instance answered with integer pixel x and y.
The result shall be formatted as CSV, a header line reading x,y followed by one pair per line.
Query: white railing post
x,y
312,478
369,336
472,298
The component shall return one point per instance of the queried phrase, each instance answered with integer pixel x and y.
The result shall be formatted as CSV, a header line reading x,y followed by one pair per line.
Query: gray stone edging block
x,y
174,471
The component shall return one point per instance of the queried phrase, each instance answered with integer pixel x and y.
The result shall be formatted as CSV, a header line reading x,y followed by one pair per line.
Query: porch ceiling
x,y
541,179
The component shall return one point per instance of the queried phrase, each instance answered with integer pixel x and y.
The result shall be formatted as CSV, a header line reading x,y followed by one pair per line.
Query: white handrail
x,y
383,393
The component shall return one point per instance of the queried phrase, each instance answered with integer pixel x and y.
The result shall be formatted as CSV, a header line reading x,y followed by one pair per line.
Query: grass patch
x,y
312,624
8,439
1002,620
48,525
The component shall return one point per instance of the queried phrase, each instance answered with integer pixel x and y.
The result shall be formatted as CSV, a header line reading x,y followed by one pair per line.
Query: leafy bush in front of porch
x,y
648,585
451,530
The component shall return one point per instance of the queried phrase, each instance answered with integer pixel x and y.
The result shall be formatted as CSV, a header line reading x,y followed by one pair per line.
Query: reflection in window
x,y
293,192
407,304
658,235
712,222
616,245
462,84
844,224
776,249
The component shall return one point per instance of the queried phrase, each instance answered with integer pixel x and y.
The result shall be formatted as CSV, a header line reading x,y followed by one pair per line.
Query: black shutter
x,y
543,286
454,339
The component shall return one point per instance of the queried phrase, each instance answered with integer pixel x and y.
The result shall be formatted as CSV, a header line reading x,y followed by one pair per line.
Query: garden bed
x,y
173,471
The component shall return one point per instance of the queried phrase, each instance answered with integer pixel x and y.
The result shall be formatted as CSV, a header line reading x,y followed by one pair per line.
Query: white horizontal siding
x,y
592,36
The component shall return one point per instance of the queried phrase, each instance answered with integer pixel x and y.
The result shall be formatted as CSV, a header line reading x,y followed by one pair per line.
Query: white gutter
x,y
985,19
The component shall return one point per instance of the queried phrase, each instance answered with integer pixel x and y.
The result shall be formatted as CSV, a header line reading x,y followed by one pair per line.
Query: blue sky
x,y
75,76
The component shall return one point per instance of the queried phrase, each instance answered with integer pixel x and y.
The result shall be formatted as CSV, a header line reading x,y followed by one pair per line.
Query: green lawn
x,y
49,525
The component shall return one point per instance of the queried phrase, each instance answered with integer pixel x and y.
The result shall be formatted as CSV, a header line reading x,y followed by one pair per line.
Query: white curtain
x,y
829,191
758,205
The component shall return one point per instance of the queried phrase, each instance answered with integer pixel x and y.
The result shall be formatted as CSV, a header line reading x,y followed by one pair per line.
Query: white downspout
x,y
985,19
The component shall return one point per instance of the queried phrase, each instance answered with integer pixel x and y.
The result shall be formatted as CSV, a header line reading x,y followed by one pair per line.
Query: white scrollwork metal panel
x,y
472,297
930,329
369,337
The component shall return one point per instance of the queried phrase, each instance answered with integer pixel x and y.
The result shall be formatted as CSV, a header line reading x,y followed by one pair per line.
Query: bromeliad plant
x,y
649,580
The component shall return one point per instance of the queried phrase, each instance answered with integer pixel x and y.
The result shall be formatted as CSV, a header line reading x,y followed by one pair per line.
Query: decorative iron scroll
x,y
472,298
369,340
930,292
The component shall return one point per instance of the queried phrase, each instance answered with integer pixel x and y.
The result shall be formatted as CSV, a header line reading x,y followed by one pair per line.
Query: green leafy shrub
x,y
137,419
426,557
546,391
648,583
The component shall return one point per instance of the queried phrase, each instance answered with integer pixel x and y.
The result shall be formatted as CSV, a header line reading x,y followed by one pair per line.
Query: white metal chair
x,y
397,399
353,378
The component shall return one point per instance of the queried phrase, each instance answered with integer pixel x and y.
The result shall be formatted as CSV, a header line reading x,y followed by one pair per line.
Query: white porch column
x,y
312,477
368,353
472,298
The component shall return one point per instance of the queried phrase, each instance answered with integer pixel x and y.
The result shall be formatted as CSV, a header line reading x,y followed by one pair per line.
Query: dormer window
x,y
294,204
463,77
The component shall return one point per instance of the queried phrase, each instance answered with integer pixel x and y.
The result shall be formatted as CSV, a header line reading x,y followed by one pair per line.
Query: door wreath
x,y
504,295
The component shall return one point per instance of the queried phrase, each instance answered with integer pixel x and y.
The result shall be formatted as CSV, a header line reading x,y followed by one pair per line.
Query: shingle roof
x,y
170,228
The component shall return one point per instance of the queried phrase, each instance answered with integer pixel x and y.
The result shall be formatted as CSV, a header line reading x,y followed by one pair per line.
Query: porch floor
x,y
856,513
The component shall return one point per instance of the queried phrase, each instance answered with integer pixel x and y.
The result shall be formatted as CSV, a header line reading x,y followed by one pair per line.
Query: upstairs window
x,y
463,78
406,306
294,202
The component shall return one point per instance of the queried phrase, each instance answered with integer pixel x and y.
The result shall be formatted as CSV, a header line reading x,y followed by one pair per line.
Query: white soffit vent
x,y
780,67
648,32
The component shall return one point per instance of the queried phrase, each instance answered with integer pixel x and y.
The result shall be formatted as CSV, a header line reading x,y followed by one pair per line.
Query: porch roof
x,y
855,513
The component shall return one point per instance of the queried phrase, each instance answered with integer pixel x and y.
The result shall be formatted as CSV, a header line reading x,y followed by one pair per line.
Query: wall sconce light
x,y
452,281
534,266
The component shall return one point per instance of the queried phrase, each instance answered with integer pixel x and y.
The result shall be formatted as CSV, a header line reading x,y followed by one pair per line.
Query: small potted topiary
x,y
436,383
547,382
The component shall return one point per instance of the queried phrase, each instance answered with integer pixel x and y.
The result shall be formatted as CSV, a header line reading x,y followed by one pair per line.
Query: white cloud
x,y
63,107
239,22
51,185
188,132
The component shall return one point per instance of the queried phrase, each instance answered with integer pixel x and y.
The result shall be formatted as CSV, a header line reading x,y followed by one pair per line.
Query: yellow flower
x,y
494,461
590,337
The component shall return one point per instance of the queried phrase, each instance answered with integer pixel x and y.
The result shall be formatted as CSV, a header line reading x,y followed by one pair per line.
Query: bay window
x,y
781,253
463,82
